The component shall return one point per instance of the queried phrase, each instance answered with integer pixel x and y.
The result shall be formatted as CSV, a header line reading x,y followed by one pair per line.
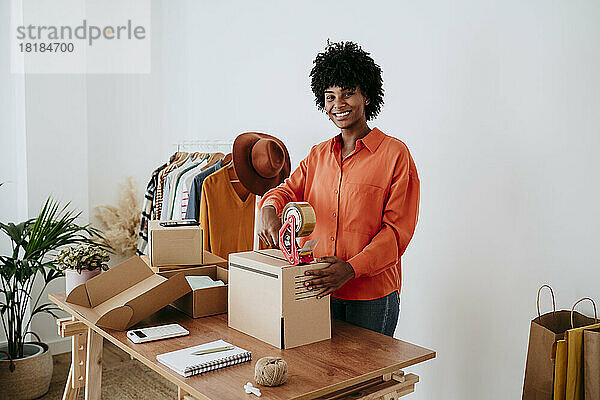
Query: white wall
x,y
57,161
13,163
498,102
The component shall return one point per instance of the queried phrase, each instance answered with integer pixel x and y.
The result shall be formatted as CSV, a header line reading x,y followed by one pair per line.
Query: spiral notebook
x,y
187,364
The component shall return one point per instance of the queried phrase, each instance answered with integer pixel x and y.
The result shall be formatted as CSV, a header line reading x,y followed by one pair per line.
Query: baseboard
x,y
60,346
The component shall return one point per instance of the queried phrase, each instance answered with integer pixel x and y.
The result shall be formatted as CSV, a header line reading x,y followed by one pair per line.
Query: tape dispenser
x,y
298,220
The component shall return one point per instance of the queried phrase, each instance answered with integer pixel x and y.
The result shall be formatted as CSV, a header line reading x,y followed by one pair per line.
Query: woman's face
x,y
345,107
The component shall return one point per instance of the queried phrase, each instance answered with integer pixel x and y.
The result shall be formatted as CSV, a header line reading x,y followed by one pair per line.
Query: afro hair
x,y
347,66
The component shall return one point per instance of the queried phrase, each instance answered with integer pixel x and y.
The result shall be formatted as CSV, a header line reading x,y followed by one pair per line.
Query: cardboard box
x,y
180,245
207,259
267,300
206,301
126,294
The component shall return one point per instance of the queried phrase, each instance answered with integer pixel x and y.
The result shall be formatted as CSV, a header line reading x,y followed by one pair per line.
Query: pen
x,y
213,350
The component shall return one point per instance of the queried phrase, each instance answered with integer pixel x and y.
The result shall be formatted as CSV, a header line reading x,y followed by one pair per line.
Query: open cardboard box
x,y
207,259
205,301
267,299
126,294
178,245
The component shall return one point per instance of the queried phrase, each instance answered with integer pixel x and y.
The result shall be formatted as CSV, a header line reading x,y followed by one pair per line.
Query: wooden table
x,y
355,363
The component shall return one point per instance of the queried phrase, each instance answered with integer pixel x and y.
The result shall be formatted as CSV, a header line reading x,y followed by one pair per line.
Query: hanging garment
x,y
147,210
195,192
173,185
158,196
226,219
182,189
183,192
168,187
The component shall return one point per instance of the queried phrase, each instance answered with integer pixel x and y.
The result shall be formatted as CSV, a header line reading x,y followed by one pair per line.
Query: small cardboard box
x,y
126,294
268,300
207,259
206,301
180,245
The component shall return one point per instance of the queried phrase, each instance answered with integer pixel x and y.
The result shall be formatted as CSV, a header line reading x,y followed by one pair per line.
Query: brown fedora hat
x,y
261,161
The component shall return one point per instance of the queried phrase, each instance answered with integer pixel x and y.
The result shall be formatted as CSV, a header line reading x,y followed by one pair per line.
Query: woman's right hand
x,y
268,226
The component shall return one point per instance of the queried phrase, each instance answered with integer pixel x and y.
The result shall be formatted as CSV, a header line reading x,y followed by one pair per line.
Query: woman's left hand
x,y
330,278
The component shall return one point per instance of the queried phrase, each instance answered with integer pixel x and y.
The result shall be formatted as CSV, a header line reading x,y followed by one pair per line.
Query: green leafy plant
x,y
35,244
83,257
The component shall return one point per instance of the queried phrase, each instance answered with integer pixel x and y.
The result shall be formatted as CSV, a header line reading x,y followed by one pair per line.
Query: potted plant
x,y
26,368
81,263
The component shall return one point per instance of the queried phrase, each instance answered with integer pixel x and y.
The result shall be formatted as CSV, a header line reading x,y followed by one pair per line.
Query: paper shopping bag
x,y
560,370
574,338
545,330
591,364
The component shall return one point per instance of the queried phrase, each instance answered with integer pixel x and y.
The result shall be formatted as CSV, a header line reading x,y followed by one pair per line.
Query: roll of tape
x,y
305,217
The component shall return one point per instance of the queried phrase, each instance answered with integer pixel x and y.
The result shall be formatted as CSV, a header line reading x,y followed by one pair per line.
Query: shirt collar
x,y
371,141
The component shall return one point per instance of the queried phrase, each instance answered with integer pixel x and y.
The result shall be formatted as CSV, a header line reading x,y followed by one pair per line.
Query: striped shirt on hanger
x,y
147,210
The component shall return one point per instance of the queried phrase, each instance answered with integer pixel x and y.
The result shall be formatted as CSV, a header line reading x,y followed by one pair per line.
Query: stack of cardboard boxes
x,y
179,250
264,295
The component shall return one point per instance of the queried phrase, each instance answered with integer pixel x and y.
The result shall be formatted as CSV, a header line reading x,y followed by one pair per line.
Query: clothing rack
x,y
212,146
204,146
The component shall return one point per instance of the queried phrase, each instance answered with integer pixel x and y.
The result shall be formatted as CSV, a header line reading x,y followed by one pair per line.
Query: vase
x,y
74,278
31,376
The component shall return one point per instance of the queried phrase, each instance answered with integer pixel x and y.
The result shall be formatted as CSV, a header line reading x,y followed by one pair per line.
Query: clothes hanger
x,y
240,189
228,163
181,156
212,160
227,159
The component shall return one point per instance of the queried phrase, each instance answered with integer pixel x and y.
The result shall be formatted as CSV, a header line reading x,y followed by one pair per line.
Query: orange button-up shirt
x,y
366,207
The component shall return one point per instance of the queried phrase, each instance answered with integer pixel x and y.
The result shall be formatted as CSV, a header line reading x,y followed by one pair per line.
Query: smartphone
x,y
185,222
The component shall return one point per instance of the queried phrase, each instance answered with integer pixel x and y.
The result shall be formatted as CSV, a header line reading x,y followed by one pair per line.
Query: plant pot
x,y
31,376
74,278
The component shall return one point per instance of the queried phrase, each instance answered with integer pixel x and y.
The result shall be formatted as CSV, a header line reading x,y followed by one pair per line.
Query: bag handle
x,y
577,302
553,302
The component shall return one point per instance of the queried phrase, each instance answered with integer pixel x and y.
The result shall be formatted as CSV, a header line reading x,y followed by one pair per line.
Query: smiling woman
x,y
364,188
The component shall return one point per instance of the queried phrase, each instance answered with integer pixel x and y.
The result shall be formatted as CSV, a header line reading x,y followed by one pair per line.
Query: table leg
x,y
70,392
93,370
69,327
183,395
78,358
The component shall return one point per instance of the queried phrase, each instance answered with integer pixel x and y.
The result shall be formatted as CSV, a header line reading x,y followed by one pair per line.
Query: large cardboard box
x,y
268,300
181,245
207,259
206,301
126,294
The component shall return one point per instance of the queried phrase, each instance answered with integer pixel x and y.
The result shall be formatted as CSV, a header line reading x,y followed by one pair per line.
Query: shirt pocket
x,y
363,208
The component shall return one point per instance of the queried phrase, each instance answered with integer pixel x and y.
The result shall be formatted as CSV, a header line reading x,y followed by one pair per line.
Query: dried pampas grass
x,y
121,224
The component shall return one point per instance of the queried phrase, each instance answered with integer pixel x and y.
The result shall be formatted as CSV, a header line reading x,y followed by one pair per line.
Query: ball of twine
x,y
270,371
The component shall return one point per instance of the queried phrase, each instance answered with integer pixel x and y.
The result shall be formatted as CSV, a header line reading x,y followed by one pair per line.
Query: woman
x,y
364,188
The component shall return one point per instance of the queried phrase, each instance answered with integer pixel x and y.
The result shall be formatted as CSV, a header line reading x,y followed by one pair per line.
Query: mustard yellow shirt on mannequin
x,y
227,220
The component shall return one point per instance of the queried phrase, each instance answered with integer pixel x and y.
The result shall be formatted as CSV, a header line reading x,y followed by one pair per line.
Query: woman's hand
x,y
268,226
329,279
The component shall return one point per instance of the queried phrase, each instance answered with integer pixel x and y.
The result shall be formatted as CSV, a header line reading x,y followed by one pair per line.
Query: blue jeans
x,y
379,315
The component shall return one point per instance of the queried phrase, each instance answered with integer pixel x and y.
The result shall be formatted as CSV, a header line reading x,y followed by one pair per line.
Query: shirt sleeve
x,y
193,206
292,189
203,220
399,220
